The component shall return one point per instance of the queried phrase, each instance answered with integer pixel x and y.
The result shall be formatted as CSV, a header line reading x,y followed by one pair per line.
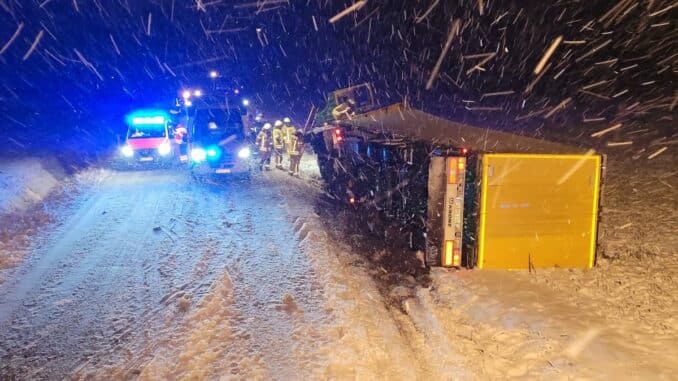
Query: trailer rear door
x,y
538,210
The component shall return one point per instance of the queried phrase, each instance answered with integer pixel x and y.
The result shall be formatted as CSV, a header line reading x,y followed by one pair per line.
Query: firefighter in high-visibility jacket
x,y
296,149
264,144
278,143
289,130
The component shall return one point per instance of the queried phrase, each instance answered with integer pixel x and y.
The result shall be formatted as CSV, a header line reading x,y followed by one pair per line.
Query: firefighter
x,y
296,149
180,136
264,144
278,143
289,130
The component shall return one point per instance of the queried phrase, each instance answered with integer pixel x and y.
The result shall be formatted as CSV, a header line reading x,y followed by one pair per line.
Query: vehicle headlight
x,y
127,151
244,153
164,149
198,155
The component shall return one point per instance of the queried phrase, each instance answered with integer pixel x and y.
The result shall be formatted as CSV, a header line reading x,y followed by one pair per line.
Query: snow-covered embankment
x,y
29,189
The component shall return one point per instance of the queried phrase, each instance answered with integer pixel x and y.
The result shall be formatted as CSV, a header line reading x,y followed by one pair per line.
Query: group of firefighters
x,y
273,141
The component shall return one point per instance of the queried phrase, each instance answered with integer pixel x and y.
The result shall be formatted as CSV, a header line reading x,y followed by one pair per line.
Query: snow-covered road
x,y
160,275
124,266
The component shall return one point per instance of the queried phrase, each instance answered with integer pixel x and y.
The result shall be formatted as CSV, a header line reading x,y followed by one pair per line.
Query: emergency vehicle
x,y
148,140
219,141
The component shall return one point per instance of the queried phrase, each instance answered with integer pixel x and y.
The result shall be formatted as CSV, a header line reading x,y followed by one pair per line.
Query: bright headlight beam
x,y
244,153
198,155
127,151
164,149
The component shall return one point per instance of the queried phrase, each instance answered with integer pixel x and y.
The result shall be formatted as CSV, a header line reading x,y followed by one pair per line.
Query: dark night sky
x,y
98,59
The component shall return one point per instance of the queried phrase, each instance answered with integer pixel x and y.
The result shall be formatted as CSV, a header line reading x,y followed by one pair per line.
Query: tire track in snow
x,y
90,298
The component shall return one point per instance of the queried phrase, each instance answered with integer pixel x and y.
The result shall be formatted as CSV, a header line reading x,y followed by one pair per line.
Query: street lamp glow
x,y
198,93
186,94
245,102
214,74
188,103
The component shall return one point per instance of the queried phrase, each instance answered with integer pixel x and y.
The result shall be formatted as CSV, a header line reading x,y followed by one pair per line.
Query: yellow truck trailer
x,y
466,196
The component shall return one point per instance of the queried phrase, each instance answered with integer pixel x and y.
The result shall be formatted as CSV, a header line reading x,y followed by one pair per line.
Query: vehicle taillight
x,y
337,137
453,212
452,170
449,251
464,151
452,256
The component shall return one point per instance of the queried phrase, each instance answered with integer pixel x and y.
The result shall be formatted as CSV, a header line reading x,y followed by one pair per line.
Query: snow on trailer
x,y
466,196
421,126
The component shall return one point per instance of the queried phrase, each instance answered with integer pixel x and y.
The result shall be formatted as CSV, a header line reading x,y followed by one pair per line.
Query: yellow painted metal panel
x,y
538,210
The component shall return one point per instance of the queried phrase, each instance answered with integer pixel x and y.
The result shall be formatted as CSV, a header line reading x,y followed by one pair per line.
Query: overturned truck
x,y
465,196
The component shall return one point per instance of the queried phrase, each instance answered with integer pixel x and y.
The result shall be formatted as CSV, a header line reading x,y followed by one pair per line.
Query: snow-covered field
x,y
155,275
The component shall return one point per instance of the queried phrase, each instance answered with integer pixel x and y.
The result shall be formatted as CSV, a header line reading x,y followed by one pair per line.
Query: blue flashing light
x,y
138,120
147,117
213,153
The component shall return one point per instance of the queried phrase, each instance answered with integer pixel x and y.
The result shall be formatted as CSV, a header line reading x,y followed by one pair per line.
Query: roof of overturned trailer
x,y
419,125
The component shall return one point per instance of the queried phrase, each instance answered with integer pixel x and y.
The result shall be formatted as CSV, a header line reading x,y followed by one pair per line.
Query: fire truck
x,y
465,196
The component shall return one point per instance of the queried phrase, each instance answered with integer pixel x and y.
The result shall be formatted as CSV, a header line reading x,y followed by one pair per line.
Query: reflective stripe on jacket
x,y
289,132
296,146
278,138
263,142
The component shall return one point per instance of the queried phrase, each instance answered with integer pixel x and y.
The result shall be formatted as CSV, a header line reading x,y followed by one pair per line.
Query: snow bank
x,y
29,190
371,338
366,343
24,182
514,327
